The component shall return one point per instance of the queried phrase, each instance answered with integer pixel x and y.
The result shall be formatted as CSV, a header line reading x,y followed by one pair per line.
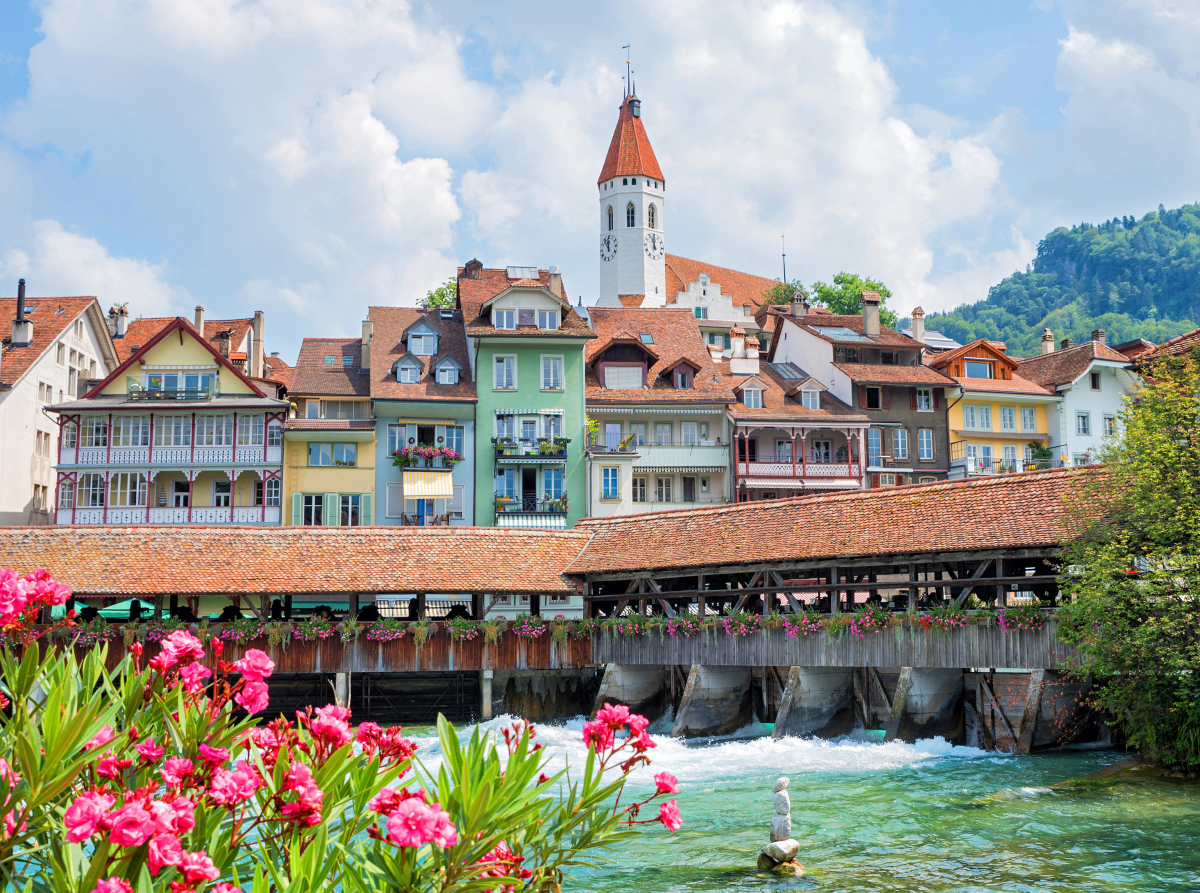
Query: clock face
x,y
655,246
608,247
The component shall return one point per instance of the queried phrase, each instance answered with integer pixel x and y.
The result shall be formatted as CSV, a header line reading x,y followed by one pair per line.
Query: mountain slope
x,y
1132,278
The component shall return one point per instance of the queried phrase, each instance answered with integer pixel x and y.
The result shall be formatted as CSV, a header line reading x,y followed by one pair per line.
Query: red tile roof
x,y
676,337
1065,366
877,373
743,288
125,561
777,404
1017,384
311,377
819,323
387,346
278,370
139,331
629,153
237,329
476,290
1007,511
1181,345
299,424
48,326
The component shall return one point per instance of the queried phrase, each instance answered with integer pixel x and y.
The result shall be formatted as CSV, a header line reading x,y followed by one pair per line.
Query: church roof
x,y
630,152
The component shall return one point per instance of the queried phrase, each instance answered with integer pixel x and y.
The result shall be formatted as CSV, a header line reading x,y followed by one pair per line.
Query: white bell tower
x,y
632,195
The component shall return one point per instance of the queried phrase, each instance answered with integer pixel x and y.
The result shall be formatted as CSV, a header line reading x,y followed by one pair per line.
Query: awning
x,y
528,412
428,485
799,484
653,410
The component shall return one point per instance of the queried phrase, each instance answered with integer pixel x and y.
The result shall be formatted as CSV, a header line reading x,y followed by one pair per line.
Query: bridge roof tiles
x,y
1007,511
146,561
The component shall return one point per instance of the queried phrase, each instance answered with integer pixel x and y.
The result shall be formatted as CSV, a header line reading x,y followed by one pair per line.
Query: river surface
x,y
897,817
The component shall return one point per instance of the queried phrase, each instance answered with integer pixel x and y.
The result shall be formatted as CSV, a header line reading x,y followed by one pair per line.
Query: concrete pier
x,y
643,689
927,704
716,701
817,701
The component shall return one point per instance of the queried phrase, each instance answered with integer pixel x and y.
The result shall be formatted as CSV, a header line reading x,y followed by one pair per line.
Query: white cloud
x,y
58,263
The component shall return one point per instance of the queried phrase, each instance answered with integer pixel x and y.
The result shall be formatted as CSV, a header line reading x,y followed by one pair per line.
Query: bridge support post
x,y
1033,707
485,693
927,703
643,689
341,689
716,701
817,701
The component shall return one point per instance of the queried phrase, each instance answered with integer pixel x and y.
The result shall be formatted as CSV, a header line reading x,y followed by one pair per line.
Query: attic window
x,y
647,338
810,398
330,359
979,369
752,397
347,360
683,379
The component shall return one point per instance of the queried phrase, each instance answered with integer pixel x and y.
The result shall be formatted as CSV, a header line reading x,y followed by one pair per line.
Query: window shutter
x,y
874,481
456,504
899,480
297,509
331,510
439,435
526,317
365,518
885,397
912,398
395,499
862,396
937,398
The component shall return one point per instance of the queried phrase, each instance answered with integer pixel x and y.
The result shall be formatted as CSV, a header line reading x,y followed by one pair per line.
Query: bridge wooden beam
x,y
889,585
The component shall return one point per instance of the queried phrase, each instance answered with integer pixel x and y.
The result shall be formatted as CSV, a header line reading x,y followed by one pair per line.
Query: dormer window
x,y
447,375
810,398
623,378
408,372
683,379
422,345
753,398
979,369
547,319
504,319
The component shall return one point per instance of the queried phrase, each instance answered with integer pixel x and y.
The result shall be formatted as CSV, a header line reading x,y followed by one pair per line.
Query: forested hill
x,y
1132,278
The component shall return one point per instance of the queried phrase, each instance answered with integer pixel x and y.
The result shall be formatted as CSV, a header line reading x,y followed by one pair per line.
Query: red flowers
x,y
255,668
600,734
413,823
86,815
131,825
666,783
21,598
668,814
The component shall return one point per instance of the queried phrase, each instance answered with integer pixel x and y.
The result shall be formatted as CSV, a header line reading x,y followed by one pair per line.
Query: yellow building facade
x,y
329,473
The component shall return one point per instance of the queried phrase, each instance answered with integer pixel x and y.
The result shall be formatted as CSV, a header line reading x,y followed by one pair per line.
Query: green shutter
x,y
297,509
331,510
364,510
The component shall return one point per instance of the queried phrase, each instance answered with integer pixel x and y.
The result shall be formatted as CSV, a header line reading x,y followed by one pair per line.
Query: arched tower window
x,y
652,217
610,218
629,215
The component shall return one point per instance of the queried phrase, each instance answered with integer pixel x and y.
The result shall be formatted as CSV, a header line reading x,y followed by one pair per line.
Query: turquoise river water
x,y
897,817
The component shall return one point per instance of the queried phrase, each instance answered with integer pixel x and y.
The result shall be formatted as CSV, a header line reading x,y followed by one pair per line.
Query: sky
x,y
310,159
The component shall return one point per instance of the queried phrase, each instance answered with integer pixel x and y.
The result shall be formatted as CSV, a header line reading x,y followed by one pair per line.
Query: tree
x,y
785,292
445,295
1130,579
845,296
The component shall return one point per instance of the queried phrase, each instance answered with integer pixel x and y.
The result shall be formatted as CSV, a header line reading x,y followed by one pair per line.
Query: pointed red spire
x,y
629,153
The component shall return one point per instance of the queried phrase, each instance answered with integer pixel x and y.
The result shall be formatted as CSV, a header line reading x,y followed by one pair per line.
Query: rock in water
x,y
783,850
766,862
783,803
781,827
791,869
780,784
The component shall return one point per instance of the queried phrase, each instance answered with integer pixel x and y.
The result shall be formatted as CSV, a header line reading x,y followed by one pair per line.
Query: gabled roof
x,y
311,377
824,326
877,373
1181,345
139,331
742,288
182,326
629,152
49,324
237,329
1065,366
676,338
782,402
387,346
1016,384
481,285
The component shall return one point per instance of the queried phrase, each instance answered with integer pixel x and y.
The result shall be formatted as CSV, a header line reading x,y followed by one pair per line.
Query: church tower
x,y
632,206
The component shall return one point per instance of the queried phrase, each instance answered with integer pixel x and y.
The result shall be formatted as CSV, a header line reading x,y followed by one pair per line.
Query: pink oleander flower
x,y
162,662
226,888
254,697
149,751
101,738
641,742
255,665
176,770
614,716
368,734
7,774
197,867
183,646
164,849
175,817
637,723
213,754
86,815
230,788
298,778
666,783
444,833
386,801
131,825
193,676
412,824
112,768
112,885
668,814
599,734
10,824
329,725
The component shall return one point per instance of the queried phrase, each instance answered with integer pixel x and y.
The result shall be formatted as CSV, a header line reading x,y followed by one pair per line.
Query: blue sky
x,y
310,158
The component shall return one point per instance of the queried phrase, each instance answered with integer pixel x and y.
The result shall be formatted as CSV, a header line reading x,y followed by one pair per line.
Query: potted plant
x,y
546,447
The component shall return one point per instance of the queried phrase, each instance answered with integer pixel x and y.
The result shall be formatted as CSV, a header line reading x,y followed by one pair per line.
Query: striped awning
x,y
428,485
529,412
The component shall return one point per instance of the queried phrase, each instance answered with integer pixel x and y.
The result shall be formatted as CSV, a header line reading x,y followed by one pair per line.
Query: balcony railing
x,y
800,470
993,465
188,394
174,455
530,504
541,448
206,515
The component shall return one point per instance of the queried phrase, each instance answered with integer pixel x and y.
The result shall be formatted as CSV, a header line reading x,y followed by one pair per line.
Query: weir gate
x,y
984,543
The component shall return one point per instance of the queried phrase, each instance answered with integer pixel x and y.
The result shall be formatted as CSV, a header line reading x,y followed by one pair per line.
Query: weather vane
x,y
628,70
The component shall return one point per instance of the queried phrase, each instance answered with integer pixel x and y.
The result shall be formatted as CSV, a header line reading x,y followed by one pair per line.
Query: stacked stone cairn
x,y
780,854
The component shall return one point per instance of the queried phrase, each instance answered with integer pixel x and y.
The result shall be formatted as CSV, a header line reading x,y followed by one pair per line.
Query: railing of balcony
x,y
207,515
545,447
173,455
800,469
528,504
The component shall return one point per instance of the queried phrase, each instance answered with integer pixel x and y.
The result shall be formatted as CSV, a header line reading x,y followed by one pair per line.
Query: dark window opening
x,y
873,401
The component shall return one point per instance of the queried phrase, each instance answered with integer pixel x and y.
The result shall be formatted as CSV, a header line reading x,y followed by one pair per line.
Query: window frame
x,y
989,365
900,444
1032,414
810,395
1094,380
548,316
504,320
1110,425
752,398
1083,424
610,482
875,454
924,399
556,363
924,434
498,359
639,488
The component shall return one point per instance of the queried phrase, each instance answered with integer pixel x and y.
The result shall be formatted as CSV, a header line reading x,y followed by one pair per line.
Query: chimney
x,y
118,321
1098,336
368,329
22,329
556,281
1066,343
200,319
799,308
223,343
715,352
918,325
743,355
1047,341
870,312
257,357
